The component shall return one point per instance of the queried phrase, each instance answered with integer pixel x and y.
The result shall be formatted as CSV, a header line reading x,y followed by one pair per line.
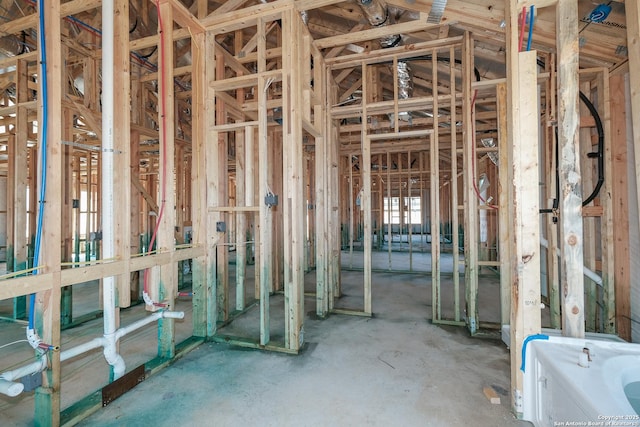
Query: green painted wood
x,y
82,409
43,407
66,306
252,343
166,332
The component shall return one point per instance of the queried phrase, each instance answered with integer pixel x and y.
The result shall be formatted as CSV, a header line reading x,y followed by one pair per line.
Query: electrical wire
x,y
12,343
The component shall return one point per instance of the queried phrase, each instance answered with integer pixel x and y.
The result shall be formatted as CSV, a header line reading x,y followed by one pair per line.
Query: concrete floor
x,y
394,369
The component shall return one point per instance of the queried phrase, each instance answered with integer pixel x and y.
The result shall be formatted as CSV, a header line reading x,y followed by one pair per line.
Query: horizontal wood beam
x,y
374,33
19,286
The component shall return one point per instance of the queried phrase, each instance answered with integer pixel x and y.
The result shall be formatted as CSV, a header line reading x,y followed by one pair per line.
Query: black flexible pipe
x,y
599,154
148,55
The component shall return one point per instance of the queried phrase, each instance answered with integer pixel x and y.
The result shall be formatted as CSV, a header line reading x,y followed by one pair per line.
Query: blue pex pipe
x,y
43,153
531,22
524,346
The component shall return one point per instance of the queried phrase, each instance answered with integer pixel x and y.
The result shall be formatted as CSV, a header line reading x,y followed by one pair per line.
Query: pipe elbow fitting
x,y
114,359
33,338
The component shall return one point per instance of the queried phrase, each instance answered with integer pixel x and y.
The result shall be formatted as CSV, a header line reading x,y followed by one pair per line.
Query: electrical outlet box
x,y
31,382
271,200
221,227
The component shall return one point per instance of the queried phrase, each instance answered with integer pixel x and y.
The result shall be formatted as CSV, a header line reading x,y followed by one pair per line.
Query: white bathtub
x,y
561,387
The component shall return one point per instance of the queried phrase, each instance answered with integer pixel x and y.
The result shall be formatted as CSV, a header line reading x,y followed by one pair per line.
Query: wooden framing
x,y
620,209
225,109
522,137
47,401
569,171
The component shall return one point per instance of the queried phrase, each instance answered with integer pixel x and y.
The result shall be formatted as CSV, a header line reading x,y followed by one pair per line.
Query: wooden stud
x,y
620,188
322,203
220,196
365,196
241,217
589,223
522,138
632,12
609,266
17,183
47,399
293,183
434,178
134,214
551,164
569,170
122,148
266,215
167,286
455,240
470,197
505,197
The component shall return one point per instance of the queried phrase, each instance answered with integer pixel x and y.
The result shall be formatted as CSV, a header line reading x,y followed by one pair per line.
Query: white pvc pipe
x,y
108,209
30,369
585,270
11,389
149,319
111,335
82,348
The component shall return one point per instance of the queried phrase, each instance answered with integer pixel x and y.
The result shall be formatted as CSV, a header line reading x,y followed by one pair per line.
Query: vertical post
x,y
632,11
241,221
220,198
350,188
455,237
435,226
293,191
553,268
201,266
365,198
609,262
204,268
505,200
166,236
18,181
522,138
322,190
389,204
134,214
589,223
470,199
572,280
366,205
66,303
333,198
434,153
47,307
265,262
525,291
122,148
620,191
410,208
